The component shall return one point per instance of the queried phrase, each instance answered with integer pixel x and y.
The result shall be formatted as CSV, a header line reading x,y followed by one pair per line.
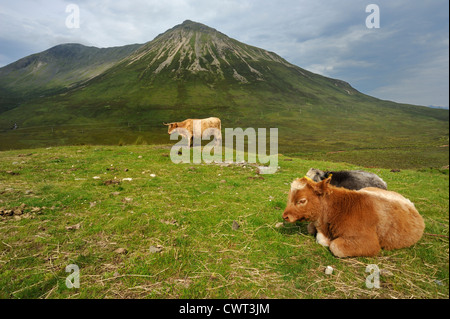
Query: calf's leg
x,y
322,239
312,229
352,246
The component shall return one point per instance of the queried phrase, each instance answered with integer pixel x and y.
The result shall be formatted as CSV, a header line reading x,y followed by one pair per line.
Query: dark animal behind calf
x,y
354,180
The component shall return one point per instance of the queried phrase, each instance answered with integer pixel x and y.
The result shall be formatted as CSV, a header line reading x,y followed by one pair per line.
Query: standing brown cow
x,y
354,223
188,131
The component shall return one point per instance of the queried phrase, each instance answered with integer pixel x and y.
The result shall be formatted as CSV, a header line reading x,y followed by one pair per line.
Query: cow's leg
x,y
189,139
312,229
351,246
322,239
218,138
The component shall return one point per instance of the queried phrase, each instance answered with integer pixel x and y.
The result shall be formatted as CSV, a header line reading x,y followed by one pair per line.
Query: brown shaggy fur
x,y
354,223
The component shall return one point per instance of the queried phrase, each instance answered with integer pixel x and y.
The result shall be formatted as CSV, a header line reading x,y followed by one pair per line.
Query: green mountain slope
x,y
55,69
193,66
192,70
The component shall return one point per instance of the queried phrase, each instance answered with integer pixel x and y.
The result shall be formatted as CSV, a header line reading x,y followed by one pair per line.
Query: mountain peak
x,y
196,26
189,25
191,48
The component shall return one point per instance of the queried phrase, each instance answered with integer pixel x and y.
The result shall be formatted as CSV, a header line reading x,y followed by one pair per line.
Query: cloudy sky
x,y
405,60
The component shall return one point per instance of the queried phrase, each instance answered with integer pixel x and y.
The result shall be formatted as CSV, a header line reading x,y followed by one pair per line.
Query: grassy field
x,y
408,149
192,231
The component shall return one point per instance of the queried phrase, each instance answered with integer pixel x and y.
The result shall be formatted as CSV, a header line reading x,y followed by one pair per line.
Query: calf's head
x,y
315,174
304,201
172,127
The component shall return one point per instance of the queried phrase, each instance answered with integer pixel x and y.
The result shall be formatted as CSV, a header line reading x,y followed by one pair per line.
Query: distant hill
x,y
54,70
72,94
438,107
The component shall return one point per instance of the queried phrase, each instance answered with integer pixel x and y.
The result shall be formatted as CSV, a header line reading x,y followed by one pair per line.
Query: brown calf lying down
x,y
354,223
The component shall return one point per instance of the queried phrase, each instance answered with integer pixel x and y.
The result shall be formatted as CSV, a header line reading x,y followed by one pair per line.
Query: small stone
x,y
73,227
329,270
36,209
155,249
121,251
279,225
235,225
8,212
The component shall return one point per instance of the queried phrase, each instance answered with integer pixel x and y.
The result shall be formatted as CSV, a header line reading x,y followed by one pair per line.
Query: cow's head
x,y
172,127
316,174
304,201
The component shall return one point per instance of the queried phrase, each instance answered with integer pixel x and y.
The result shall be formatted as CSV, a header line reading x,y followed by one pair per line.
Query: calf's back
x,y
399,223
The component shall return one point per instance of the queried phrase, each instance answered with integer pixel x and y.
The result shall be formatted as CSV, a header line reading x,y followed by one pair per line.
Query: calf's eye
x,y
302,201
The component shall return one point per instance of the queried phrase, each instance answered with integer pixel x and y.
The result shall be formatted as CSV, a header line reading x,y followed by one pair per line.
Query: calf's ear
x,y
325,183
322,187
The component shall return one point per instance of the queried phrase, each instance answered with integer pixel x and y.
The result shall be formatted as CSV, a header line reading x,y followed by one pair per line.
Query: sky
x,y
404,58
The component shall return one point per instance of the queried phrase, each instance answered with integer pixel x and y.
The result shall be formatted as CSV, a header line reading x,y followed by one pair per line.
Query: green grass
x,y
189,211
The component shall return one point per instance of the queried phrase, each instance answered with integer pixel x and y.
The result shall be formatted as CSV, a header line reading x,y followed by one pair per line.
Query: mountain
x,y
54,70
193,65
193,70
